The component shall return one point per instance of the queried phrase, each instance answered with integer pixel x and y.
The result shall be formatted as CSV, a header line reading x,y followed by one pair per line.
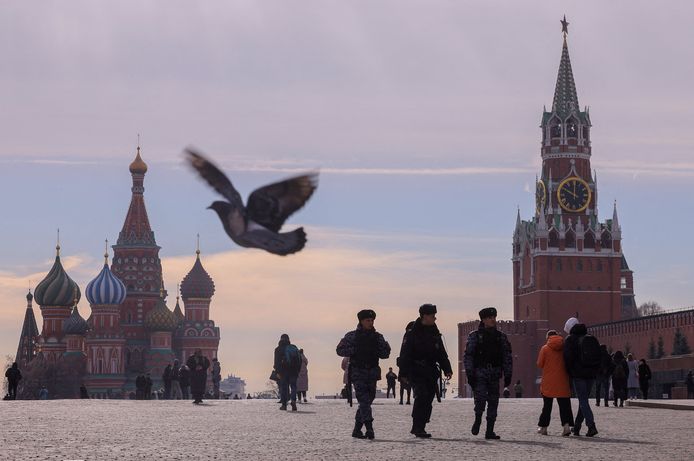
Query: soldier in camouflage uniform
x,y
487,357
364,347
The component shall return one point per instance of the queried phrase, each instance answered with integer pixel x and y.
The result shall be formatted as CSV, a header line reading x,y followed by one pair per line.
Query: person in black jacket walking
x,y
644,378
581,373
422,359
488,355
198,365
13,376
602,380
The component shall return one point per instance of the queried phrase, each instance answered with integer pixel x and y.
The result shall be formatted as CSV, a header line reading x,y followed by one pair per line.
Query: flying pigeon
x,y
258,223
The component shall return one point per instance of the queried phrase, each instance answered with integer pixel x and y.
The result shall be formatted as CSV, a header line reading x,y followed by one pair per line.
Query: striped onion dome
x,y
75,324
57,288
161,318
105,289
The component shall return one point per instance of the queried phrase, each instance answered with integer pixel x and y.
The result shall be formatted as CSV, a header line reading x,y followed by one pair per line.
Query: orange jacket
x,y
555,379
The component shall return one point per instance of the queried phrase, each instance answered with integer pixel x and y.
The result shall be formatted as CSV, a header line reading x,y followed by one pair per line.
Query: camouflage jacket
x,y
474,352
348,345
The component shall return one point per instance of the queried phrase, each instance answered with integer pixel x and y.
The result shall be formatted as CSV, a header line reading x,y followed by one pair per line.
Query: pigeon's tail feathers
x,y
284,243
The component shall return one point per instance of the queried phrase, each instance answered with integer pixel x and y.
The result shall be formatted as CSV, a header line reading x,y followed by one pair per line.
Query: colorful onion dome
x,y
106,289
161,318
198,283
138,166
75,324
57,288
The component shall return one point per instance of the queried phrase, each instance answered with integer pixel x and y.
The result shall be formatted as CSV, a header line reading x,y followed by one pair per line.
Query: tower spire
x,y
197,248
565,98
57,245
616,230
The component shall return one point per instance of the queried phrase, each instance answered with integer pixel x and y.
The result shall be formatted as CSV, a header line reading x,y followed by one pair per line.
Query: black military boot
x,y
490,435
592,431
476,425
356,433
369,430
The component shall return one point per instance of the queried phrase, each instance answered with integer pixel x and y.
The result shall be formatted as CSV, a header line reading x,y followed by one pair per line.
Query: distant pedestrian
x,y
633,379
488,356
198,365
602,380
13,376
518,389
176,392
506,393
84,394
302,379
43,393
554,384
364,347
644,378
140,387
184,381
423,358
216,377
405,385
148,386
391,377
620,375
287,365
166,378
582,359
689,381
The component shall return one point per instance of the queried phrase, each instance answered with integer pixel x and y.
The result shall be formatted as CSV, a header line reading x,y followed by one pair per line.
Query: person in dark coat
x,y
13,376
287,364
620,375
184,381
364,347
198,365
216,377
140,387
644,378
84,394
166,378
391,378
405,385
423,357
689,381
582,375
148,387
602,380
488,356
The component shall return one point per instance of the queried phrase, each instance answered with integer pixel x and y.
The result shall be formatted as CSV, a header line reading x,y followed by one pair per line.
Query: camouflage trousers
x,y
486,391
364,382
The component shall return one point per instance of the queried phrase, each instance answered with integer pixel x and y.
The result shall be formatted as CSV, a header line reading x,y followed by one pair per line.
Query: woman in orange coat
x,y
555,384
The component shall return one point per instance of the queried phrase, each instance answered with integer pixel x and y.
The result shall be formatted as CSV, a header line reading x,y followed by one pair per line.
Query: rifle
x,y
349,383
439,378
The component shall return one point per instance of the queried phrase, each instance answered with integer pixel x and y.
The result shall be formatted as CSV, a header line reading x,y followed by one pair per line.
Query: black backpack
x,y
590,355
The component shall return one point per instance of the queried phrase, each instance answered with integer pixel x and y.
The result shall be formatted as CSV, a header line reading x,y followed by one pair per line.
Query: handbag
x,y
274,376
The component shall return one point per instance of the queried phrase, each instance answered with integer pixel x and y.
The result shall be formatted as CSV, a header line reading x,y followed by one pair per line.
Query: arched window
x,y
555,130
606,240
589,240
570,239
579,265
554,238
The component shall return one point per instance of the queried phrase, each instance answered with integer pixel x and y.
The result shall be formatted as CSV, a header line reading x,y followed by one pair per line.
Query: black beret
x,y
366,314
487,312
427,309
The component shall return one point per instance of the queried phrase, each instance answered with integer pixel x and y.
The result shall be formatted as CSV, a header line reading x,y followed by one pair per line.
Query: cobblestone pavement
x,y
257,430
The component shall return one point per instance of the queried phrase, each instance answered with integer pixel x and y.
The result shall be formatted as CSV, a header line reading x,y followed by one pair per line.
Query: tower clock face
x,y
540,195
574,194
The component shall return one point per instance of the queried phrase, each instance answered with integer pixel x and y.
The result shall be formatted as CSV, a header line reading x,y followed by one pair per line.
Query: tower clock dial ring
x,y
540,195
574,194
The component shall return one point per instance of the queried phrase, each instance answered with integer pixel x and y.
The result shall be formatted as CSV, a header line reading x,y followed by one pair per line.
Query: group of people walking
x,y
182,381
423,358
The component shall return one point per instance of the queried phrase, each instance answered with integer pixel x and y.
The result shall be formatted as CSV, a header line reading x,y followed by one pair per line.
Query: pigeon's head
x,y
222,208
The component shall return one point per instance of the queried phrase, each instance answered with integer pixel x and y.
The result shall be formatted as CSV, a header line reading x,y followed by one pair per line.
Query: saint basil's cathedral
x,y
130,331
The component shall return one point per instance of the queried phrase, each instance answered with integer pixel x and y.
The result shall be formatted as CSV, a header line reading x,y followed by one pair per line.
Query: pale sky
x,y
422,116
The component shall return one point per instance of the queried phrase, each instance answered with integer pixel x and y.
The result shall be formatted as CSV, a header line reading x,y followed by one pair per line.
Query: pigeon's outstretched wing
x,y
271,205
214,177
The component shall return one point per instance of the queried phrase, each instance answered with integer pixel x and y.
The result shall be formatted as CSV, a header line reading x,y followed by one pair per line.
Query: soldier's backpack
x,y
619,373
292,358
590,355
